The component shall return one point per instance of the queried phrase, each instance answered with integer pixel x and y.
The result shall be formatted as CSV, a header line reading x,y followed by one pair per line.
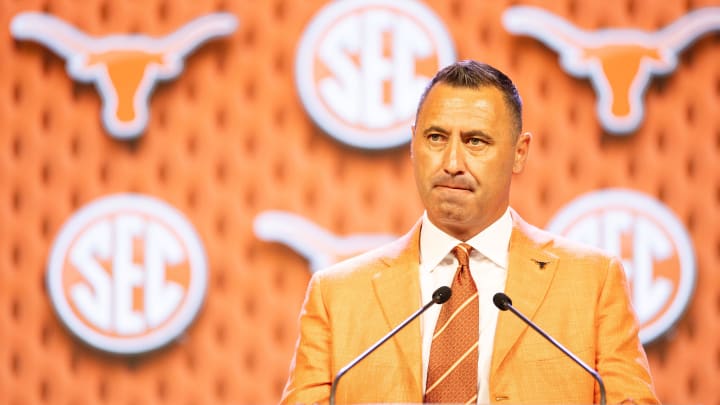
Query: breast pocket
x,y
534,347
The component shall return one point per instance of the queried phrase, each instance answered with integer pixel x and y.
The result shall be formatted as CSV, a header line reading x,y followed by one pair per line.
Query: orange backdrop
x,y
229,139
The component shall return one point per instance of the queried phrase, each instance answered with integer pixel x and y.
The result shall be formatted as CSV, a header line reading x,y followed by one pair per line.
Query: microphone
x,y
504,303
440,296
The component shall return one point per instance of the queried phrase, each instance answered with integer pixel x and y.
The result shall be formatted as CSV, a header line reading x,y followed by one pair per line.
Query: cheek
x,y
419,160
423,174
427,159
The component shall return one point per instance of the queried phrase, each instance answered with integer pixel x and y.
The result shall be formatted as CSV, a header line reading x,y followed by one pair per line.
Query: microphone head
x,y
502,301
441,295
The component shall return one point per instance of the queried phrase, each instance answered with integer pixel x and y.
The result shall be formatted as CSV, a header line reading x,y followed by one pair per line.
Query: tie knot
x,y
462,253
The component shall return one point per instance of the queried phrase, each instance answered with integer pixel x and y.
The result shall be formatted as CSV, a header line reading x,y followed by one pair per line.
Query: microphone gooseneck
x,y
440,296
504,303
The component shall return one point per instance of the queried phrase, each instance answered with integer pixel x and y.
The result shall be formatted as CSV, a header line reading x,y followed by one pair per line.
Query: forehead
x,y
446,105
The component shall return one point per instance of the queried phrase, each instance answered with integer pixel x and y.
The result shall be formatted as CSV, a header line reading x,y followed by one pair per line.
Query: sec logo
x,y
127,274
655,249
362,65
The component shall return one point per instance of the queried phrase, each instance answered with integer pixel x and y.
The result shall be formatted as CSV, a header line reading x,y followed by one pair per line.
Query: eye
x,y
476,141
436,138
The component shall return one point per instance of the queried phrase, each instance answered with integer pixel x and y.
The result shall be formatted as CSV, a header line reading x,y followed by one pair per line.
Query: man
x,y
466,146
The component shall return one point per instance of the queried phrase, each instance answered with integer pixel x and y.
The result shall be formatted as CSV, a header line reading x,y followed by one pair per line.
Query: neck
x,y
464,231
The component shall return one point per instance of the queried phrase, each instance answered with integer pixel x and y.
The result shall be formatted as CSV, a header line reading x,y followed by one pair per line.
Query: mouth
x,y
453,187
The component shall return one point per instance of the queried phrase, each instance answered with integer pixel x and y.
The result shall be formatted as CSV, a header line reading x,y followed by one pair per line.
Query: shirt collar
x,y
492,242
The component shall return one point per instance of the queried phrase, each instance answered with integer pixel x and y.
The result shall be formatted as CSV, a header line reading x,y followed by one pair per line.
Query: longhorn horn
x,y
564,38
301,235
61,37
688,28
320,247
180,43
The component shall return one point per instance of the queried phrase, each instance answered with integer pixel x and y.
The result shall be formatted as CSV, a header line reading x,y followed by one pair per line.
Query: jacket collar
x,y
531,269
397,291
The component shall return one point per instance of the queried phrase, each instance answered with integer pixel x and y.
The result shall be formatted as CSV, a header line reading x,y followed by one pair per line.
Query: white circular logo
x,y
362,65
127,274
655,249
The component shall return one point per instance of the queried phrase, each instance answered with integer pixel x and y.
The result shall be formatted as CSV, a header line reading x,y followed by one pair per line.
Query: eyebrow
x,y
471,133
435,128
476,132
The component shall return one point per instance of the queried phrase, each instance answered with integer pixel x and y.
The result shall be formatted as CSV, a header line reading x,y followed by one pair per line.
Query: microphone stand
x,y
503,302
440,296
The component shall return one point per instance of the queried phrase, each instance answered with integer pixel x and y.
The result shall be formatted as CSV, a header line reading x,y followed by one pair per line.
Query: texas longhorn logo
x,y
619,62
124,68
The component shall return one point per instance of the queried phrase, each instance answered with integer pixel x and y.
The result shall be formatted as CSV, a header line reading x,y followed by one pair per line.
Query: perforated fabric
x,y
229,139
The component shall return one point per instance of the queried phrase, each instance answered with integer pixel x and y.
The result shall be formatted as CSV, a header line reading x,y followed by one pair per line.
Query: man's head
x,y
466,146
472,74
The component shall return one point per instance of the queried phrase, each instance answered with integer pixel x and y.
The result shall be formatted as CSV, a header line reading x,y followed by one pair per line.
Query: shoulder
x,y
559,246
368,264
577,266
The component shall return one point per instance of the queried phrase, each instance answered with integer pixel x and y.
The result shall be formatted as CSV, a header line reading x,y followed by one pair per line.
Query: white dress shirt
x,y
488,266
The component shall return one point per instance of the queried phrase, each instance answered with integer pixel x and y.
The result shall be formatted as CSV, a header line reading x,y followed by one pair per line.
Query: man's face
x,y
464,157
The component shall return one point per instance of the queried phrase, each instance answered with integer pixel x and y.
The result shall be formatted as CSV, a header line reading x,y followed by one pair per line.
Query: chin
x,y
451,216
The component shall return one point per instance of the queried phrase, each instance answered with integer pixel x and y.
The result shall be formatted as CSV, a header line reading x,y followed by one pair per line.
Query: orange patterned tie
x,y
453,364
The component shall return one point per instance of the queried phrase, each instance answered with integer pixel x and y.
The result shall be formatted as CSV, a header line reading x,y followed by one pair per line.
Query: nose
x,y
454,158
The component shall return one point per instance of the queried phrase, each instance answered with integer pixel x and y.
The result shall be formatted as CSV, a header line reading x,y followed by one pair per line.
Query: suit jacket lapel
x,y
397,289
530,272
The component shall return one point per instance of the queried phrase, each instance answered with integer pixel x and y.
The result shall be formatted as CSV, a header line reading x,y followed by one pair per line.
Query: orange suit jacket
x,y
579,296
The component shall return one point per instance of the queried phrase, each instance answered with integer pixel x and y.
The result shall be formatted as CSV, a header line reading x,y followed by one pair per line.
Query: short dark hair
x,y
474,75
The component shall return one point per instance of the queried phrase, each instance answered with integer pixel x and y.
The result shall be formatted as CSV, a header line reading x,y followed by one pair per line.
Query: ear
x,y
412,140
522,148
